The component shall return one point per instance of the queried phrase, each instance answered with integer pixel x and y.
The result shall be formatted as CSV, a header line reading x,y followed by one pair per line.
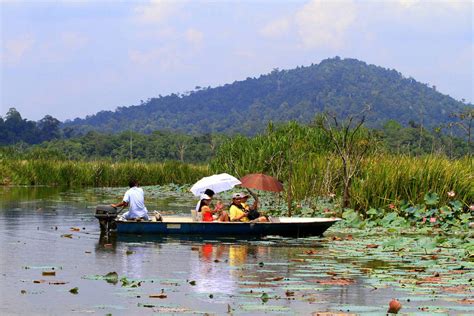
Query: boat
x,y
186,225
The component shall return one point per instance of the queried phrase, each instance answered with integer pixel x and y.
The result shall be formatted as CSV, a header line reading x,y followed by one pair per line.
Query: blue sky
x,y
74,58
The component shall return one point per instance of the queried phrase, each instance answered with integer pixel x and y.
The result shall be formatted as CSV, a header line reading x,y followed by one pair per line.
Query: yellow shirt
x,y
236,212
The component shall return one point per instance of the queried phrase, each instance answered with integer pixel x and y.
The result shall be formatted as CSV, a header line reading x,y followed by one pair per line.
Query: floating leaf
x,y
49,273
74,290
431,198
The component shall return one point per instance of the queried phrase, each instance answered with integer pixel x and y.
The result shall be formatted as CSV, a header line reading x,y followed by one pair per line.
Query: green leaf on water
x,y
74,290
431,198
111,277
264,297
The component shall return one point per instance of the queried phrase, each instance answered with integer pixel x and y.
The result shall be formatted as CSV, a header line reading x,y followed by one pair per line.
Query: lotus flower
x,y
451,194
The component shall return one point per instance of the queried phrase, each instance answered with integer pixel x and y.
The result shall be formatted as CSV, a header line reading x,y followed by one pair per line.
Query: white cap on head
x,y
239,195
205,197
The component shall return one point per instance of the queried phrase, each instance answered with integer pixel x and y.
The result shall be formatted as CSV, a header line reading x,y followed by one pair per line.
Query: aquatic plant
x,y
97,173
304,160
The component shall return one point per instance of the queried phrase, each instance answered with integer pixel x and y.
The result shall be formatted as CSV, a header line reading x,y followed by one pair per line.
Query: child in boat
x,y
208,214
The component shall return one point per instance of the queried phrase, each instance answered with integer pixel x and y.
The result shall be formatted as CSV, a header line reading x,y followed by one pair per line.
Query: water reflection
x,y
202,275
107,243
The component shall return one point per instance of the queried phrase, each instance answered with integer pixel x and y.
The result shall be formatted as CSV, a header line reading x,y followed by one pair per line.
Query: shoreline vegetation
x,y
301,156
390,190
342,165
97,173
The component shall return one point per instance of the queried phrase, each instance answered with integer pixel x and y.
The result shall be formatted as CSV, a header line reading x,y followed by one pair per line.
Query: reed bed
x,y
382,179
303,159
97,173
386,179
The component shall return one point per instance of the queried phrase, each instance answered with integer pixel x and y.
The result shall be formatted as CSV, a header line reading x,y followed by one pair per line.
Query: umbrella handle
x,y
253,194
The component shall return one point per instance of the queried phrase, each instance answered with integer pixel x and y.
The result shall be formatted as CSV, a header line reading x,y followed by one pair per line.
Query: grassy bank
x,y
96,173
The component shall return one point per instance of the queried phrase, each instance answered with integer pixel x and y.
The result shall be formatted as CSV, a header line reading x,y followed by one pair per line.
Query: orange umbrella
x,y
261,181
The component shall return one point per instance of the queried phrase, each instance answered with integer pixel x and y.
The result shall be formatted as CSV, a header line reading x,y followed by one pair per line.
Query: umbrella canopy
x,y
217,183
261,181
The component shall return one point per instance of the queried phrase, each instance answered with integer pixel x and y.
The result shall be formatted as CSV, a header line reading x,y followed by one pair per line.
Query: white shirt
x,y
136,202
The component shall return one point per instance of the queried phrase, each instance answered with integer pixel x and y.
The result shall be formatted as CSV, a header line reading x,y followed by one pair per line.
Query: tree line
x,y
45,138
15,129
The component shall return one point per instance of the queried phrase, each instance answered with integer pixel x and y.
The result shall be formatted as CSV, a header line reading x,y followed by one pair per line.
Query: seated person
x,y
237,212
241,212
252,212
135,199
209,215
207,192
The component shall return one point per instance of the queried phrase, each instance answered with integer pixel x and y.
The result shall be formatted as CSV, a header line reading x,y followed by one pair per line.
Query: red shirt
x,y
206,214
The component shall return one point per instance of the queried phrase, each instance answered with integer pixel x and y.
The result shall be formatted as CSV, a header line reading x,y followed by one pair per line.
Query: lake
x,y
54,261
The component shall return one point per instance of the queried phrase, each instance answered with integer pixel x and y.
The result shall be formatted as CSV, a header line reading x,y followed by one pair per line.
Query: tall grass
x,y
388,179
301,157
97,173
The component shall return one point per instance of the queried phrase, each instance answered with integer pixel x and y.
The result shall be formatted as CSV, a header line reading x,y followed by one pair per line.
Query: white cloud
x,y
276,28
194,36
156,11
325,23
15,49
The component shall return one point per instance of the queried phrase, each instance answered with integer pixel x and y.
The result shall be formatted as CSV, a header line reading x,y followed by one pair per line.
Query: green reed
x,y
97,173
302,158
386,179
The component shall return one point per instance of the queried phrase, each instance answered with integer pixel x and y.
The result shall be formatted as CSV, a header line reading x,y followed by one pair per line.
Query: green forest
x,y
343,86
162,146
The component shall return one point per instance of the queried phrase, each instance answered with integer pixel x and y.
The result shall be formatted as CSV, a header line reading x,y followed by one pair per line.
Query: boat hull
x,y
290,229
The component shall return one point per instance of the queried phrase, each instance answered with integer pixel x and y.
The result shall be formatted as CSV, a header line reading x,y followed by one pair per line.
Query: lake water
x,y
53,230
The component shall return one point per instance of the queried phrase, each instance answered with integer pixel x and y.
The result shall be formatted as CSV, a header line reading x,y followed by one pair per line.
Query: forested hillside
x,y
344,86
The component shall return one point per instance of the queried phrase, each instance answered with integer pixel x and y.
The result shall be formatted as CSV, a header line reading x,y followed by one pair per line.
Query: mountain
x,y
343,86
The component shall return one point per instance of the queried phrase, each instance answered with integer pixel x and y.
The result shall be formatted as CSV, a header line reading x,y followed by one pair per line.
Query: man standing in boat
x,y
134,198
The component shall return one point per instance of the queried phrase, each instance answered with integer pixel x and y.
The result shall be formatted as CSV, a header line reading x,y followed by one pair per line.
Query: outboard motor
x,y
106,215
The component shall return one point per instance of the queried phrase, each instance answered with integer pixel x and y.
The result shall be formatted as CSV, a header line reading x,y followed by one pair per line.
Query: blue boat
x,y
282,226
186,225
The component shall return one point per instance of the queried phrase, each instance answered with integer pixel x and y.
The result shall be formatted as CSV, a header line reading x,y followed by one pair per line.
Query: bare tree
x,y
351,145
465,118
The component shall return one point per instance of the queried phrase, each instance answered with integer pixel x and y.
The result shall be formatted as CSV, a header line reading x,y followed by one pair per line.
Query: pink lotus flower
x,y
391,206
433,220
471,207
451,194
424,220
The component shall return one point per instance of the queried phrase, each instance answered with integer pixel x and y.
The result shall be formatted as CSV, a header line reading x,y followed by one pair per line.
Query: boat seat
x,y
177,219
195,216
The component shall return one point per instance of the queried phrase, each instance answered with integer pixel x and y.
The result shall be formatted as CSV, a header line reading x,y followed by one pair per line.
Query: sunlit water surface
x,y
52,229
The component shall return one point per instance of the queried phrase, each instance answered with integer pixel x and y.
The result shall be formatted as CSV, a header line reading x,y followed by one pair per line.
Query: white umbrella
x,y
217,183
